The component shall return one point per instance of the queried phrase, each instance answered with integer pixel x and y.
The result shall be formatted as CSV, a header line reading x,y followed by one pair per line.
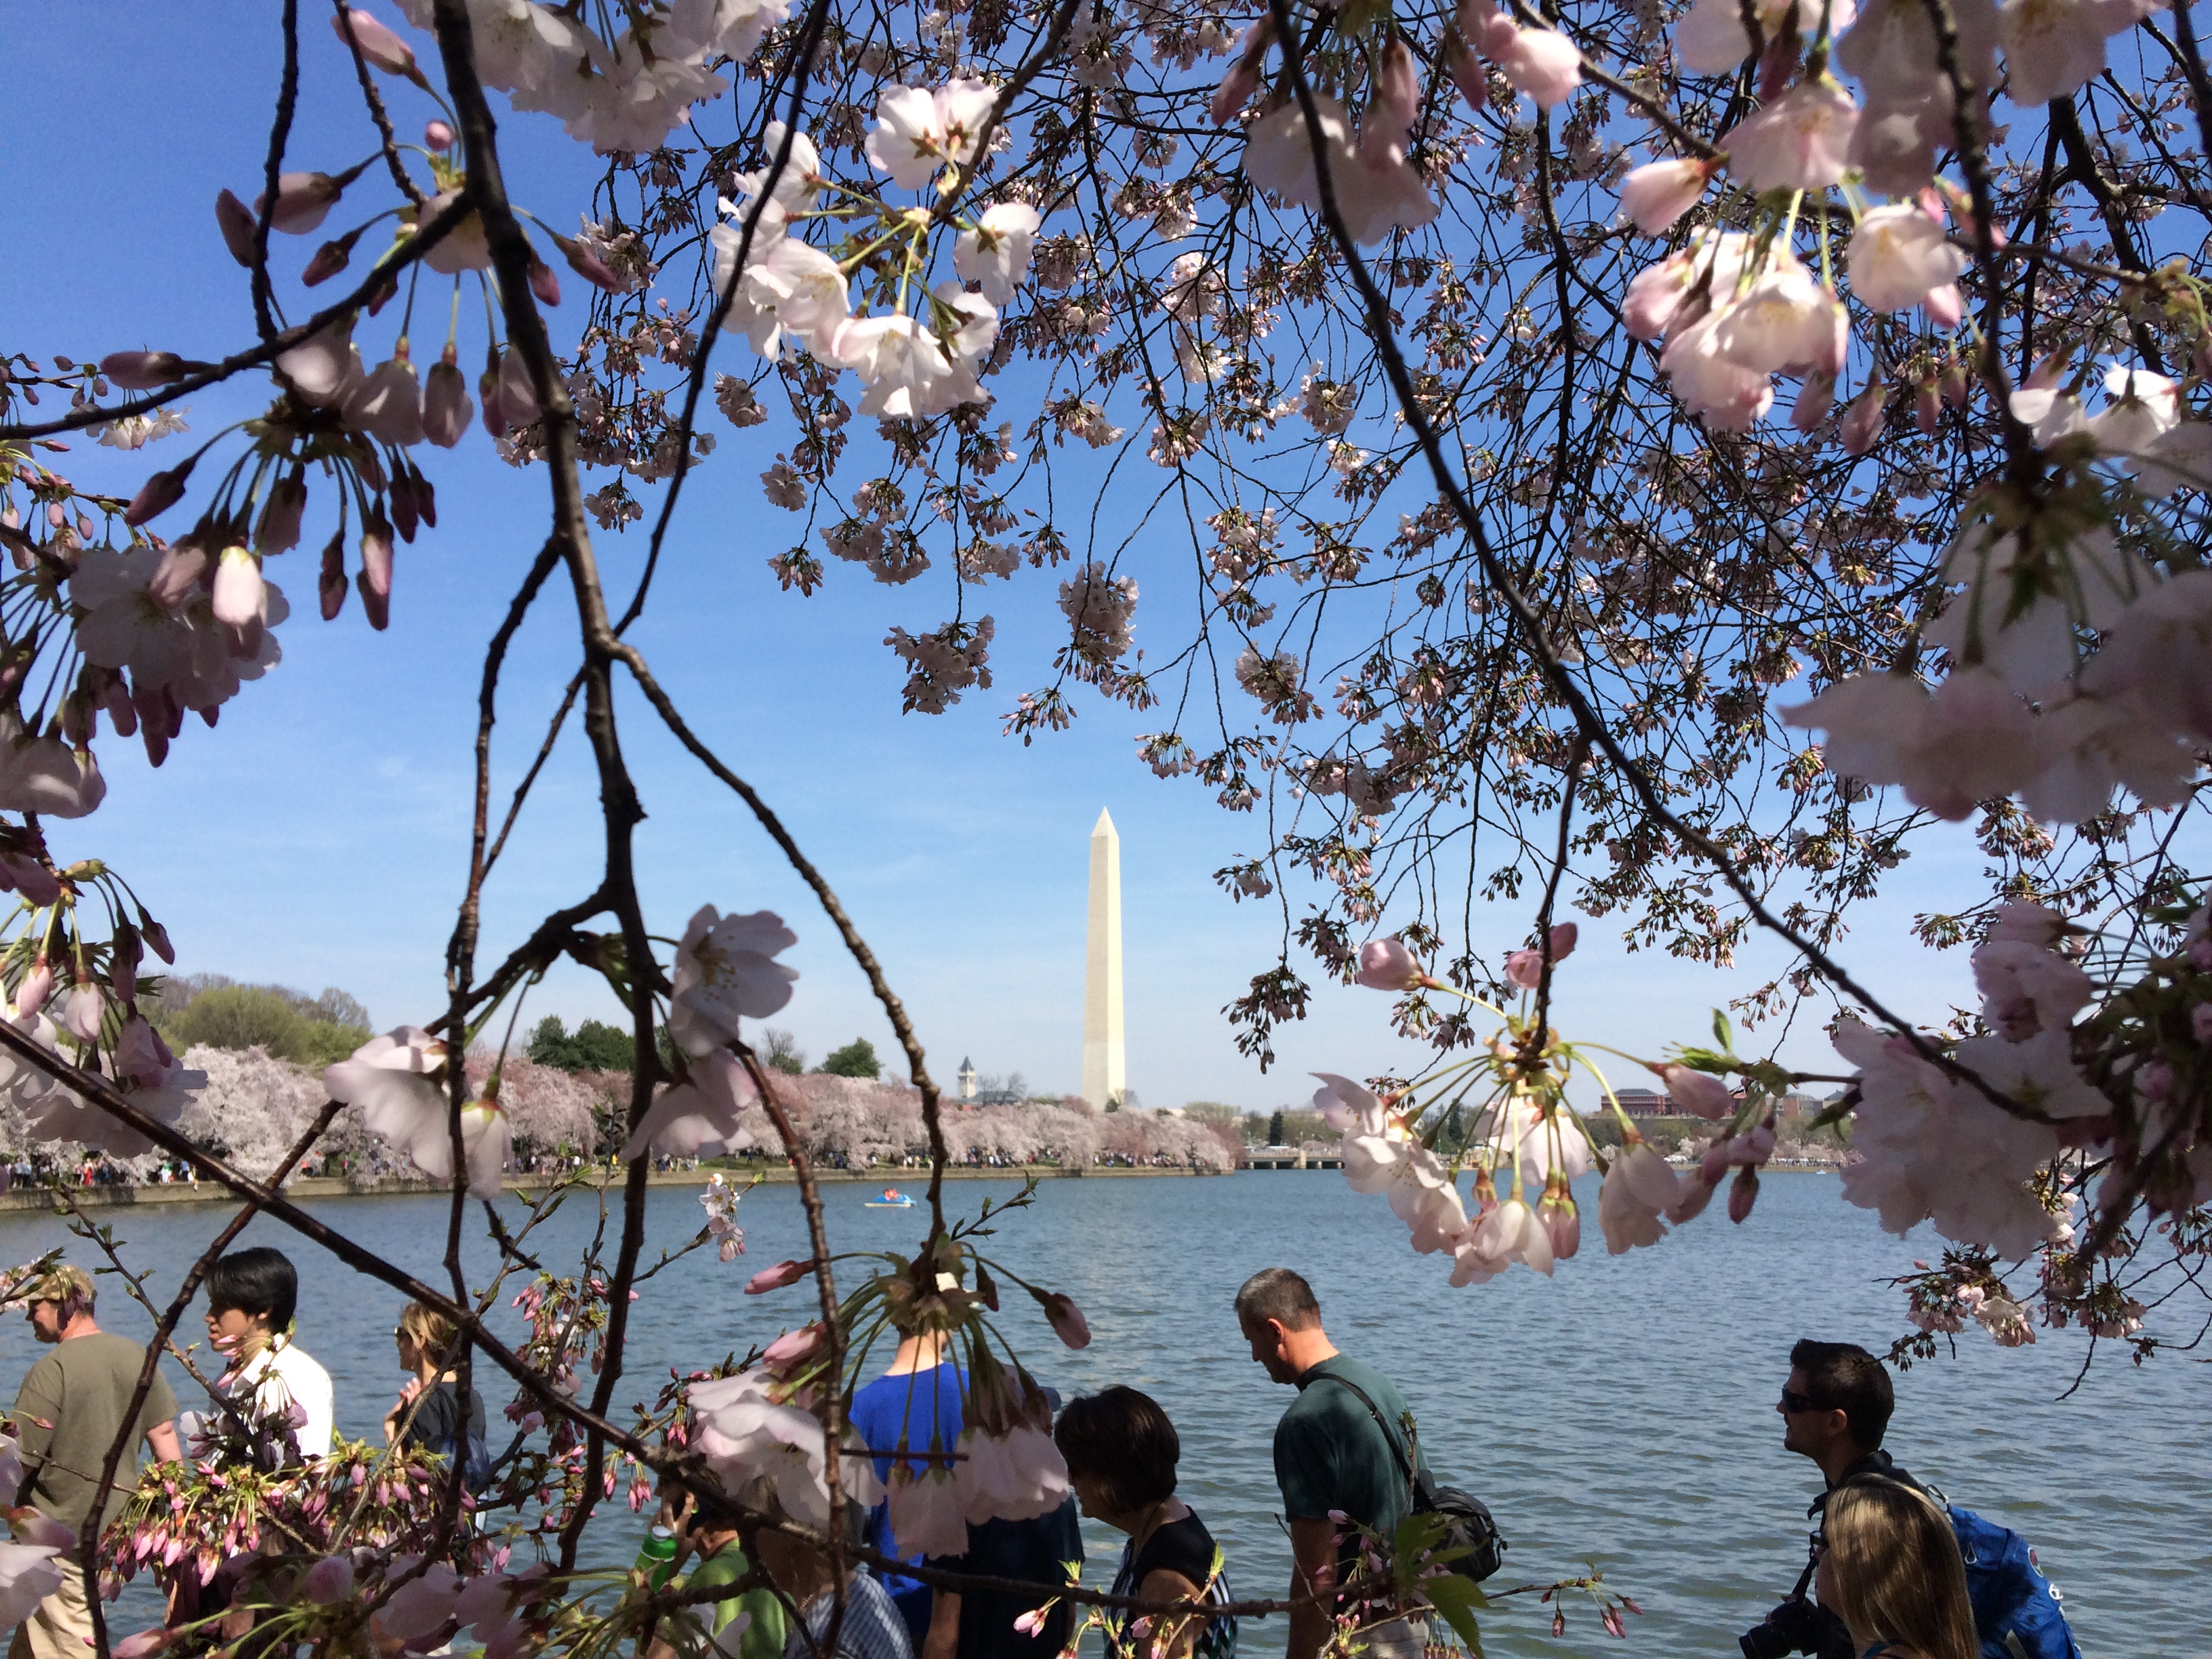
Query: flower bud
x,y
1743,1193
446,410
378,44
1815,401
303,201
542,282
588,265
1466,72
437,135
1863,420
388,404
518,398
39,885
36,987
141,371
330,258
1944,306
238,595
331,585
322,366
116,700
375,580
157,495
279,531
235,219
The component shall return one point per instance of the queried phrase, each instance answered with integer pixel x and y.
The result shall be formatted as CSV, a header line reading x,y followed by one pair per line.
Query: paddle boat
x,y
893,1199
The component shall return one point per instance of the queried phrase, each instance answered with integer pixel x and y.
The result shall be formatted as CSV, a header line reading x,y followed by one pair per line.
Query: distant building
x,y
1645,1103
965,1079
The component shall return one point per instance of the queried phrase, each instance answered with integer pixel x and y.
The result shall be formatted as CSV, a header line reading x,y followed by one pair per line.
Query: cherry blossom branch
x,y
1548,662
377,113
433,232
288,93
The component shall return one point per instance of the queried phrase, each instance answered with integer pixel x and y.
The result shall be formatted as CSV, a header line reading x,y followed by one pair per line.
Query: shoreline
x,y
24,1199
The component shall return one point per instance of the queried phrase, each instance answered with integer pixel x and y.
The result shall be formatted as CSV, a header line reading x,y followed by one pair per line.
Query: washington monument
x,y
1105,1070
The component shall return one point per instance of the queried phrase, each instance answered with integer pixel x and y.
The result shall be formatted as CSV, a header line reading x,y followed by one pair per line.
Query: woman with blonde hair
x,y
1890,1567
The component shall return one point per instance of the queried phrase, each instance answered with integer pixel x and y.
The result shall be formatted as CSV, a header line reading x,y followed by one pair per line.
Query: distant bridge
x,y
1287,1158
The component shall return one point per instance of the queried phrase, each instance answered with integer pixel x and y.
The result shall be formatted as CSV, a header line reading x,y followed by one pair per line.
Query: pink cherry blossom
x,y
726,971
28,1575
701,1116
1347,1106
2055,47
1700,1092
329,1582
1797,142
1540,61
926,1511
918,133
1785,321
1014,1476
378,44
1899,255
1067,1319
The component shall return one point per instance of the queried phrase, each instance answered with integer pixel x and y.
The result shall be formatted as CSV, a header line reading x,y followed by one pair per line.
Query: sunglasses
x,y
1797,1403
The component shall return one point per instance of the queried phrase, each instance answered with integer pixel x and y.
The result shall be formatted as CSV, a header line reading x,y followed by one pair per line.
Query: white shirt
x,y
279,1376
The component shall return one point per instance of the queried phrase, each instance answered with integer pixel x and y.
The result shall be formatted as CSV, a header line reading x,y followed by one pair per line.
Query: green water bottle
x,y
656,1559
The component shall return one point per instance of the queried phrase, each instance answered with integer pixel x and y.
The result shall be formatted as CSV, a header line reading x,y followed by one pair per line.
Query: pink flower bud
x,y
1524,968
1236,87
157,938
1467,74
588,265
330,258
543,284
437,135
331,587
1743,1193
279,531
1695,1195
378,44
1385,964
775,1278
1397,96
1927,408
1944,306
141,371
322,367
1562,937
83,1011
157,495
238,595
446,410
792,1350
518,398
403,505
375,579
1658,193
1762,1144
388,404
235,219
38,985
1815,401
1697,1091
303,201
1714,1166
1863,420
39,885
1067,1321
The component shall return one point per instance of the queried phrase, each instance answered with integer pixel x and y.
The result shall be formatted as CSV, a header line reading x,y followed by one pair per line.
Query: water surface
x,y
1621,1412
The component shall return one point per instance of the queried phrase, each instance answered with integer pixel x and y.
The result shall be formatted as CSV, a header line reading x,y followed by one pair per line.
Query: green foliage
x,y
1213,1111
283,1023
856,1059
593,1046
1275,1130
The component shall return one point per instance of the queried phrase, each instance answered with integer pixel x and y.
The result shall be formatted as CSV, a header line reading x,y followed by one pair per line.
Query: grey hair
x,y
1279,1294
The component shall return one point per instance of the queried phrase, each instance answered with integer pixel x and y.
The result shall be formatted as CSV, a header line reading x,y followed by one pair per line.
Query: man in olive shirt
x,y
67,1415
1331,1455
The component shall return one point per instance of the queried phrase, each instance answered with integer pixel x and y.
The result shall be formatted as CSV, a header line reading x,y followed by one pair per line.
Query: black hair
x,y
1278,1293
255,1281
1124,1441
1844,1377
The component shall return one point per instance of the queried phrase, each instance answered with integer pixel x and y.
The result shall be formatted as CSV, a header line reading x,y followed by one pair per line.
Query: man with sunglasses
x,y
1835,1407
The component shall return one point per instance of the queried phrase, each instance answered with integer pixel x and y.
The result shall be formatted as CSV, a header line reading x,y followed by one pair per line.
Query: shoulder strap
x,y
1374,1411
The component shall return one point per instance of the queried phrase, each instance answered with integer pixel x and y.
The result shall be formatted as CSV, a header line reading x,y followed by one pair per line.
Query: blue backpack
x,y
2017,1612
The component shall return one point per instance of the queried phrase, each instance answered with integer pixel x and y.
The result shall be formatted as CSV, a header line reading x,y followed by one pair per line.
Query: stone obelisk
x,y
1105,1072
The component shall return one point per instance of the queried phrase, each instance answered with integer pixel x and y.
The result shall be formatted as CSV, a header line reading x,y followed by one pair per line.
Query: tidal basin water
x,y
1622,1412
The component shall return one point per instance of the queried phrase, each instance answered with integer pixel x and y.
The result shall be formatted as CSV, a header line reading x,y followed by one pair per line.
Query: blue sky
x,y
318,836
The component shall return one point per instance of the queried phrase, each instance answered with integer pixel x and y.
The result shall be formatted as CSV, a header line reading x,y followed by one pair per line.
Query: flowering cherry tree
x,y
1448,339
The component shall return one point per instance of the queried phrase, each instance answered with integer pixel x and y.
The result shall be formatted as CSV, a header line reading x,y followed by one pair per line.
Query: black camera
x,y
1793,1627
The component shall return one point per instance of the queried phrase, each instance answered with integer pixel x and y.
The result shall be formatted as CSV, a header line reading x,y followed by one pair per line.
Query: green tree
x,y
856,1059
283,1023
1275,1130
593,1046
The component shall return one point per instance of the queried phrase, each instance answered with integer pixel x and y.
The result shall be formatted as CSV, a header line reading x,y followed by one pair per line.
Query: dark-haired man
x,y
1332,1456
1835,1408
252,1295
